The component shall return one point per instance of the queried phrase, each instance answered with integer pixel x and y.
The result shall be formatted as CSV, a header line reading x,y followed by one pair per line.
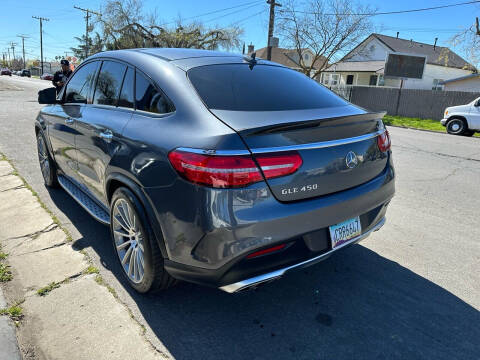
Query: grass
x,y
5,273
91,270
15,312
416,123
46,289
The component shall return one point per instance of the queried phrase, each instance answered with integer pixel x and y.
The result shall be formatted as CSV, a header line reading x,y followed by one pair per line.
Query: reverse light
x,y
384,142
232,171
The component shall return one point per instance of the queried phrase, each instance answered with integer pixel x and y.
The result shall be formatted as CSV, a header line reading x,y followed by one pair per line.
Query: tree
x,y
329,28
468,41
124,25
95,45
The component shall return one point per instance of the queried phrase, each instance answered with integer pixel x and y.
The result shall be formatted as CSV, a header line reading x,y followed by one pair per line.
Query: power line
x,y
213,12
249,17
230,13
389,12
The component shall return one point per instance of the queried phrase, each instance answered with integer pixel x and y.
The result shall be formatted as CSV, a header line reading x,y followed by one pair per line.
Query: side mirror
x,y
47,96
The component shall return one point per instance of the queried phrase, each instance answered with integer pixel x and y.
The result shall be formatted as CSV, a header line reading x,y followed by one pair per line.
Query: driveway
x,y
410,291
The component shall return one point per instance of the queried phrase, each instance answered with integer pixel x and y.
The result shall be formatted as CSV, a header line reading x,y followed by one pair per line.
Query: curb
x,y
425,130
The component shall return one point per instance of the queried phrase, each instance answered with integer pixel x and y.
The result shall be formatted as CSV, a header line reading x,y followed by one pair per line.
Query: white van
x,y
462,119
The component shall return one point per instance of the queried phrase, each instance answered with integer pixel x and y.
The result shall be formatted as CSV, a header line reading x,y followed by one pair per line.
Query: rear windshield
x,y
263,88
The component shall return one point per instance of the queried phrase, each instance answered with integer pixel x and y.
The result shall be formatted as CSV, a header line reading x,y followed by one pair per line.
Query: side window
x,y
79,86
109,82
126,98
148,98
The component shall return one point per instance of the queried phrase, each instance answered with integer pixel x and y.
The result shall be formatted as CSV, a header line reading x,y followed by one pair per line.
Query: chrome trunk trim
x,y
257,280
319,145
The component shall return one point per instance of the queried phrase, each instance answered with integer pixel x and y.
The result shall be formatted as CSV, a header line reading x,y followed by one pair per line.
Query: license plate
x,y
345,231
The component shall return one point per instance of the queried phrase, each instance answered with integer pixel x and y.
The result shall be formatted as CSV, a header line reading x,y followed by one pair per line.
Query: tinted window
x,y
79,86
264,88
108,83
148,98
126,95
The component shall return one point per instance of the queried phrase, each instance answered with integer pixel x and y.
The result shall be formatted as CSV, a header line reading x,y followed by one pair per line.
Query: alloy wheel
x,y
129,240
43,158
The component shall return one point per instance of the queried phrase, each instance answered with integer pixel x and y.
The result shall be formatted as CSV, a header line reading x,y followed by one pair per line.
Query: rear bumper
x,y
209,245
274,275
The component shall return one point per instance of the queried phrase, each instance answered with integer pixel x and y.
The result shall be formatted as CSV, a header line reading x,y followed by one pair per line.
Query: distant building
x,y
470,83
364,65
288,57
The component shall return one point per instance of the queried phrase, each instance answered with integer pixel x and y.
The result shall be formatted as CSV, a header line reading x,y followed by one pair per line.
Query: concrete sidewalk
x,y
68,310
8,340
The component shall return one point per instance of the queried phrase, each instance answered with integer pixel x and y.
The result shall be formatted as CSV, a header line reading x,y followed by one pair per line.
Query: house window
x,y
373,80
325,77
349,79
436,84
334,78
306,57
381,80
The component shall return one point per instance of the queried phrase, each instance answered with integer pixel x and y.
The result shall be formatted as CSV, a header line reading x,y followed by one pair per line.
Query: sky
x,y
65,22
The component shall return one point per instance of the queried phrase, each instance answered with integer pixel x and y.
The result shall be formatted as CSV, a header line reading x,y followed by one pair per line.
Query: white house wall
x,y
432,72
472,84
374,50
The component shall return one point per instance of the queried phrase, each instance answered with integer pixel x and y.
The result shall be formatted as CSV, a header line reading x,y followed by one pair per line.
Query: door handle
x,y
69,121
106,135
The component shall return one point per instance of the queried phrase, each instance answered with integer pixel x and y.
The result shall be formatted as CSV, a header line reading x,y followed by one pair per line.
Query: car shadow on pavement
x,y
354,305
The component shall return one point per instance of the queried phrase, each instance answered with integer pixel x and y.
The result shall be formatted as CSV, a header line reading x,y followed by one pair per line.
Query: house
x,y
470,83
288,57
364,65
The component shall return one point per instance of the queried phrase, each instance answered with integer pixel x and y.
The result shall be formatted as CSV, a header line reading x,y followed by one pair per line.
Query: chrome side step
x,y
264,278
84,200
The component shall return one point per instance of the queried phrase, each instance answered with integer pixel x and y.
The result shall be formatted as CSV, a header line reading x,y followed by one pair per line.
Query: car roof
x,y
182,58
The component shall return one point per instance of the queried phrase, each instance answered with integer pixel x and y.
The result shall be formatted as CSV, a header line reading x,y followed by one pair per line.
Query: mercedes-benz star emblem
x,y
351,160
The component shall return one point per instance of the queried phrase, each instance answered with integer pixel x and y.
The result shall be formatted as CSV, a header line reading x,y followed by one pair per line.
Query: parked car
x,y
5,71
462,119
222,170
46,76
25,72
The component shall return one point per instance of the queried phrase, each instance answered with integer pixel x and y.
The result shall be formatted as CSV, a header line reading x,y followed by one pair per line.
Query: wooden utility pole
x,y
23,49
41,19
271,24
12,46
87,16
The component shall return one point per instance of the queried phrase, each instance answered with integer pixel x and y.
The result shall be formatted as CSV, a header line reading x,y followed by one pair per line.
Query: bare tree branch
x,y
329,38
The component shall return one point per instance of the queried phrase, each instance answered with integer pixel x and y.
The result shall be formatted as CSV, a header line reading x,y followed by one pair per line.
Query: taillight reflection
x,y
384,142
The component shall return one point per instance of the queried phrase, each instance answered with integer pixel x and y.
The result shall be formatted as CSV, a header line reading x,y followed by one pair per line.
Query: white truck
x,y
462,119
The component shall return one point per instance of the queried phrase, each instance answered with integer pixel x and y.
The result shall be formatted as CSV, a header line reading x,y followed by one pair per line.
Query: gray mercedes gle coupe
x,y
214,168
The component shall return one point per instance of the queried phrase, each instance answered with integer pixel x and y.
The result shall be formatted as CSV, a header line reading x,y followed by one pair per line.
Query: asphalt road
x,y
410,291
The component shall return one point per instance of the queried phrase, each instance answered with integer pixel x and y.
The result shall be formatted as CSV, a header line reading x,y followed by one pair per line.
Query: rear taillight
x,y
384,142
232,171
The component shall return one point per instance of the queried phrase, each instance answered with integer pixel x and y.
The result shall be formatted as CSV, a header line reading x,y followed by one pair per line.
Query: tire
x,y
131,231
47,164
457,126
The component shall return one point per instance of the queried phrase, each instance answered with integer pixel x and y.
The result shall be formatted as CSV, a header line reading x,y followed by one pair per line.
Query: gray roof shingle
x,y
439,55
